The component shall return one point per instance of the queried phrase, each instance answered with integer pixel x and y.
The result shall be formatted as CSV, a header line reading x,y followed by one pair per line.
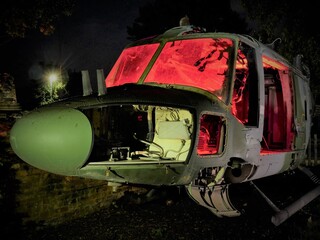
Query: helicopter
x,y
202,110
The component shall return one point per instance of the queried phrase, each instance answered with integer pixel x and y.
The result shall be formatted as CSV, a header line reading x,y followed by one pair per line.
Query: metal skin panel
x,y
56,139
155,174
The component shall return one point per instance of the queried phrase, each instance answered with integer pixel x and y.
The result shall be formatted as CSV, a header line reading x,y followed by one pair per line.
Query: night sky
x,y
91,38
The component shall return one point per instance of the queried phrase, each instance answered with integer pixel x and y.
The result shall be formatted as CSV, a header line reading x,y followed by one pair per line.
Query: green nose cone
x,y
57,140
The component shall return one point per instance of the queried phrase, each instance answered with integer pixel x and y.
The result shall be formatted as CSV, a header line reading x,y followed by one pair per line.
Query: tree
x,y
50,81
20,16
290,21
161,15
21,21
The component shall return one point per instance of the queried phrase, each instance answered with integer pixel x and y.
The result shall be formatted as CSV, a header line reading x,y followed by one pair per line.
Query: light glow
x,y
52,77
210,136
269,62
130,65
201,63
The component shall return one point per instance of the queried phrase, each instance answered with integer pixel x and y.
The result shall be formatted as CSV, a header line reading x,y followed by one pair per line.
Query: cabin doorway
x,y
278,114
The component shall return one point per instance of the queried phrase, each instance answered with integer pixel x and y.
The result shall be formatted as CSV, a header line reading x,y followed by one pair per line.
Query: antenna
x,y
184,21
100,82
86,85
273,44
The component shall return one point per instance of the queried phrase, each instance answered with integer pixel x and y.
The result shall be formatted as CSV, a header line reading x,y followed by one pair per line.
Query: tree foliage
x,y
290,21
20,16
161,15
268,20
51,83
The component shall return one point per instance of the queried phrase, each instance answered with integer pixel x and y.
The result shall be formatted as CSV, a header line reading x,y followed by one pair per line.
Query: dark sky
x,y
93,36
99,33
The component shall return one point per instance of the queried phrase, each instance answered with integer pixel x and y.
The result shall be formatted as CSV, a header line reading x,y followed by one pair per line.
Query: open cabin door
x,y
278,132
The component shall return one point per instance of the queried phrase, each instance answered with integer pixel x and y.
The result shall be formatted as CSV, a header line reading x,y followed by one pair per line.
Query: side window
x,y
245,92
211,135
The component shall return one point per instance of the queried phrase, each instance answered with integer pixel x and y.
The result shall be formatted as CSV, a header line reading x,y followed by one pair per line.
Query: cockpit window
x,y
130,65
201,63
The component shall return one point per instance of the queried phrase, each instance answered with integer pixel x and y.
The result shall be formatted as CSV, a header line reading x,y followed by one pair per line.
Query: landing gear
x,y
282,215
287,212
215,195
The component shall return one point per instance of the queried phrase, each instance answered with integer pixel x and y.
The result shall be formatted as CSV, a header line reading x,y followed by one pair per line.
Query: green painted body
x,y
57,140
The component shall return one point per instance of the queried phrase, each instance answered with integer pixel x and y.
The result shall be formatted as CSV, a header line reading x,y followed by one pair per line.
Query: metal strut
x,y
282,215
272,205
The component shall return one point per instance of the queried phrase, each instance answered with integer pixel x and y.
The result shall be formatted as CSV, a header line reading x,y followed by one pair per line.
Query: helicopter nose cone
x,y
57,140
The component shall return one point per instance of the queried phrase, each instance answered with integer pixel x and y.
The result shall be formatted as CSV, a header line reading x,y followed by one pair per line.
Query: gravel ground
x,y
182,220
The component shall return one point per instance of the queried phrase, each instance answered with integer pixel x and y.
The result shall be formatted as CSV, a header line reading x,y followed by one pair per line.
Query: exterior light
x,y
52,77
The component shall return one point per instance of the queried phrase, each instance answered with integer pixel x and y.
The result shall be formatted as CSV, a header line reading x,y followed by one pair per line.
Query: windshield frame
x,y
223,92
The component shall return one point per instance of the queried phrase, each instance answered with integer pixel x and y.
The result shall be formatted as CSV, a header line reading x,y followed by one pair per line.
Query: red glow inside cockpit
x,y
130,65
201,63
210,134
269,62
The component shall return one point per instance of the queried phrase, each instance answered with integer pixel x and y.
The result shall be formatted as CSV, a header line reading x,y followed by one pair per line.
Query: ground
x,y
178,218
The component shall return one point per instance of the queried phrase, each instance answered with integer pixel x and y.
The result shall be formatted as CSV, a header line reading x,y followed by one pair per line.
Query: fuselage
x,y
183,108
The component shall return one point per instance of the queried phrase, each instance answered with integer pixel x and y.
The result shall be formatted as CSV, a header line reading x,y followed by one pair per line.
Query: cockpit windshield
x,y
130,65
202,63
